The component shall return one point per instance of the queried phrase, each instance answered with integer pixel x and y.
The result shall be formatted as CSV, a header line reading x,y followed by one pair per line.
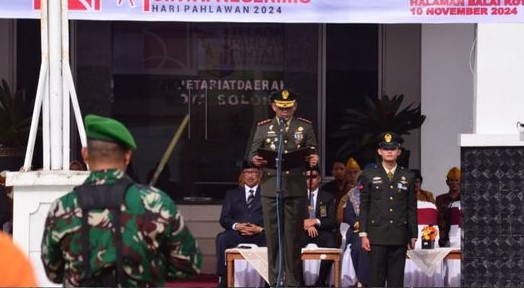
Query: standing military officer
x,y
111,231
388,215
298,134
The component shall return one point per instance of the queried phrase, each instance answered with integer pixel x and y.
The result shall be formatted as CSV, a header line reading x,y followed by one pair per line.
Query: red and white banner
x,y
283,11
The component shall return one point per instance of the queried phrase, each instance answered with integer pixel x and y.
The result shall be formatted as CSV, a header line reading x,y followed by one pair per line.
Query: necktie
x,y
312,205
390,175
250,198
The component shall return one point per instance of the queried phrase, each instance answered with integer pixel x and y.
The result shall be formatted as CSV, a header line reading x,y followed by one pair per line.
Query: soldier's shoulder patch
x,y
304,120
264,121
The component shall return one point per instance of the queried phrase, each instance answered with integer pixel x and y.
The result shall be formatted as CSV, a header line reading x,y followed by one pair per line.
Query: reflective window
x,y
151,75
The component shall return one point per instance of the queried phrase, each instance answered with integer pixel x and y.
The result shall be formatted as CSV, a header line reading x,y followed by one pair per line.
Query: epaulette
x,y
264,121
304,120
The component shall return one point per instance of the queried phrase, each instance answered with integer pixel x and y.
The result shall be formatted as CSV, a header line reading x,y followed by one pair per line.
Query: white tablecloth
x,y
429,259
257,258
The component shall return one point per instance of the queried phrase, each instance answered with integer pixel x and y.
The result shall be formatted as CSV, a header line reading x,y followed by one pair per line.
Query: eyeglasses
x,y
314,175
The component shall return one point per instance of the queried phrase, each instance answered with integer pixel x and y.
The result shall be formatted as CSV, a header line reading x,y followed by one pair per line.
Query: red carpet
x,y
200,281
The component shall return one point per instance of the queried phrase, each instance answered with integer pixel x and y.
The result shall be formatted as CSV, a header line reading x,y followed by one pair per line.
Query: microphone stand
x,y
278,163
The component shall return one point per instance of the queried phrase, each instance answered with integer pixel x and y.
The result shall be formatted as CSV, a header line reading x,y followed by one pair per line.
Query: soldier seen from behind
x,y
111,231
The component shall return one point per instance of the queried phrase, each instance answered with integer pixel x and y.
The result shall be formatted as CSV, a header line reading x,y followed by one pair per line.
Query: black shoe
x,y
222,282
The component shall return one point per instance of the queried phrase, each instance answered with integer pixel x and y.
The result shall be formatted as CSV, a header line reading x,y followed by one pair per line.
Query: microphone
x,y
281,121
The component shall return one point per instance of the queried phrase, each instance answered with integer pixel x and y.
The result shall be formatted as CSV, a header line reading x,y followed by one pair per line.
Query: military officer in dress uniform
x,y
298,134
388,215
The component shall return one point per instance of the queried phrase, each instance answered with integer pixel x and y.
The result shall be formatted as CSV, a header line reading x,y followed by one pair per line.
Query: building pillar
x,y
447,95
500,73
492,162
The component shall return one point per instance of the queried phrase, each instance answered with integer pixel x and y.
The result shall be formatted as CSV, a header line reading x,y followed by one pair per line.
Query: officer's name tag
x,y
323,211
377,180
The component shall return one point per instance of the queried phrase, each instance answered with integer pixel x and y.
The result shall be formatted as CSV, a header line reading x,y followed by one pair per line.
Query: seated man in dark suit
x,y
241,217
320,223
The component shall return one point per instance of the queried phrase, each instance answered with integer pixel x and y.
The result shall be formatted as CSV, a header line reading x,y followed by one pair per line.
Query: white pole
x,y
46,165
65,100
76,108
55,84
68,79
40,91
55,110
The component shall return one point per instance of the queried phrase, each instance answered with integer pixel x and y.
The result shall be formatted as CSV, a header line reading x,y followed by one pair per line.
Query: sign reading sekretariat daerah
x,y
283,11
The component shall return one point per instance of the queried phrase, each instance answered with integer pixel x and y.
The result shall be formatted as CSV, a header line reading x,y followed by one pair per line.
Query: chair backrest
x,y
456,224
427,213
456,213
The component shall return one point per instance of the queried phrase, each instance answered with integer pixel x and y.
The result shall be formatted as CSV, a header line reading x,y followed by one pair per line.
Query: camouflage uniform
x,y
157,245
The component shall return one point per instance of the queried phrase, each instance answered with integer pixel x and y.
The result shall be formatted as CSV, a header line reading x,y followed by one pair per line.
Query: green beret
x,y
110,130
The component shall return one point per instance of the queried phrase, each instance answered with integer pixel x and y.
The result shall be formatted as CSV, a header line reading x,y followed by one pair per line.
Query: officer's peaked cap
x,y
284,98
390,140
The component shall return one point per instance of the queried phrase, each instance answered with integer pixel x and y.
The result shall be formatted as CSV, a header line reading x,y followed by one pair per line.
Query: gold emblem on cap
x,y
387,137
285,94
300,129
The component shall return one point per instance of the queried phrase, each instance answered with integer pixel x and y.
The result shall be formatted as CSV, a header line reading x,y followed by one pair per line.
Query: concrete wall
x,y
447,98
202,221
500,74
432,64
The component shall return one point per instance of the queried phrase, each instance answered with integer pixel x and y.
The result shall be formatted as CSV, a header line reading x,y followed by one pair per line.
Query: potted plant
x,y
362,127
15,123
